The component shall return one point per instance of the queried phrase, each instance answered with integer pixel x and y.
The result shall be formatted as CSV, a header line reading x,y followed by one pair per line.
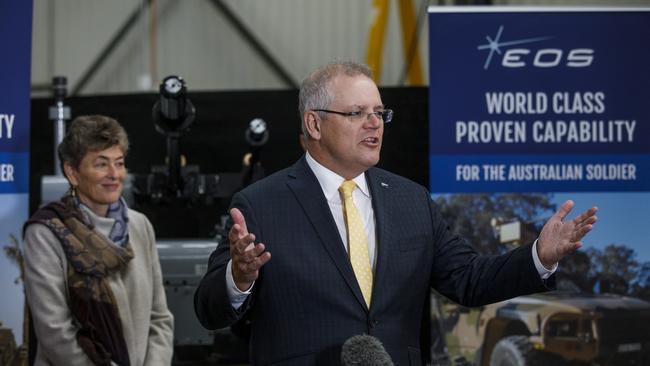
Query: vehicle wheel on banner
x,y
513,351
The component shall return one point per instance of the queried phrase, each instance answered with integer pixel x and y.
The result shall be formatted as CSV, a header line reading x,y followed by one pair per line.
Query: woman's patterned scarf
x,y
91,259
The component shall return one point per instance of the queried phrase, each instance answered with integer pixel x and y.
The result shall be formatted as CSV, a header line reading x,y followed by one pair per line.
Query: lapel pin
x,y
384,185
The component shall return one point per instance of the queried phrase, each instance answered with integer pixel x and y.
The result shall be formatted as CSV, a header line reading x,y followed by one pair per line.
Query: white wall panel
x,y
42,61
70,34
196,41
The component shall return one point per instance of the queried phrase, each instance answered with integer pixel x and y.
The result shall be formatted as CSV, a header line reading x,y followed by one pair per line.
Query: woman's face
x,y
99,178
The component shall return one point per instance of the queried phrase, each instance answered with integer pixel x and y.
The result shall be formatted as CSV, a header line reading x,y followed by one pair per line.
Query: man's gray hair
x,y
314,90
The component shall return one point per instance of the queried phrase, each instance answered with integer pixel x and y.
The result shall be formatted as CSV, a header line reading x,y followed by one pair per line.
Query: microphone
x,y
364,350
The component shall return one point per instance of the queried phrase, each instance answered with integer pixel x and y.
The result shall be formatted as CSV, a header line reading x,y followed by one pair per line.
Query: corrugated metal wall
x,y
195,40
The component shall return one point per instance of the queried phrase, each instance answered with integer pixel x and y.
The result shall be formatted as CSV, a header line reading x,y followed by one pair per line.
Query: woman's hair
x,y
91,133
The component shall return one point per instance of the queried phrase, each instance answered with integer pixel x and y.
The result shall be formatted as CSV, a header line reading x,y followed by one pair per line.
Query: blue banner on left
x,y
16,43
14,172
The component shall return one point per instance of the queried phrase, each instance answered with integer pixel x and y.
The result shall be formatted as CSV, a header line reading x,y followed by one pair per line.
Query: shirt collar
x,y
330,181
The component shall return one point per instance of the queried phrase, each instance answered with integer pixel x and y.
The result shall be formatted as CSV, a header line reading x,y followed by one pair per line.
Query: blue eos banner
x,y
16,41
539,100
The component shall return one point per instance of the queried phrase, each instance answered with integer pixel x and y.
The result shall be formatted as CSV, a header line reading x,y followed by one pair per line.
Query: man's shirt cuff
x,y
237,297
544,273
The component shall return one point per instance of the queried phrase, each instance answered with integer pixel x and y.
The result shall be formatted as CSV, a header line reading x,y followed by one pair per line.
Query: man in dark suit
x,y
360,262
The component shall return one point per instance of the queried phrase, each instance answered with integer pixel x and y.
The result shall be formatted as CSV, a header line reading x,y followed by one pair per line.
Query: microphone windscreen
x,y
364,350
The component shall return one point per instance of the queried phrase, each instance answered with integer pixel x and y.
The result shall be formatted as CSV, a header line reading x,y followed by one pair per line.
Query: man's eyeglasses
x,y
385,115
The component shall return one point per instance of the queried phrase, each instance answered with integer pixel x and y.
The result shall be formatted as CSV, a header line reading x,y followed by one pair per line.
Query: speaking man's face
x,y
351,144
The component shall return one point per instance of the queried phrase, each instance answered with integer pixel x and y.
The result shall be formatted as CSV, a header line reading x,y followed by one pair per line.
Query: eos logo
x,y
548,57
545,57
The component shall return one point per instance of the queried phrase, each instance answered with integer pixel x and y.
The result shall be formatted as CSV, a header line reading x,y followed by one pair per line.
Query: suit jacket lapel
x,y
379,191
304,185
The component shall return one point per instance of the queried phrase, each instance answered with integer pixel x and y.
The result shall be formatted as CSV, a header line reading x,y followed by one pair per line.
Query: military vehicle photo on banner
x,y
598,316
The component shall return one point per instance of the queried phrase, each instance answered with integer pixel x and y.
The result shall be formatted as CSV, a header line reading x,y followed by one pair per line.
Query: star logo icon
x,y
494,45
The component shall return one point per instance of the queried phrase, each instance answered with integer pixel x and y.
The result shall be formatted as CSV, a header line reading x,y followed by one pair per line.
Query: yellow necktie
x,y
357,241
